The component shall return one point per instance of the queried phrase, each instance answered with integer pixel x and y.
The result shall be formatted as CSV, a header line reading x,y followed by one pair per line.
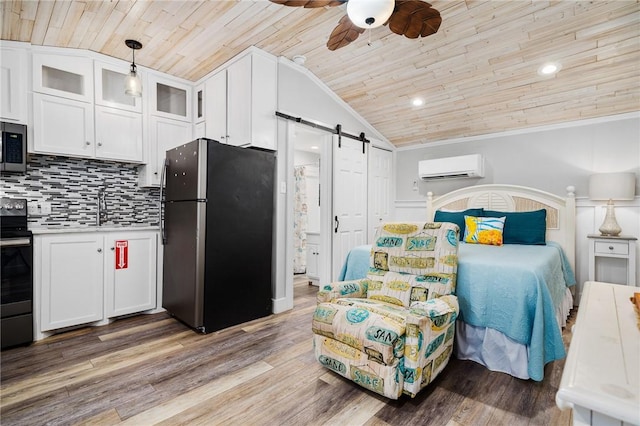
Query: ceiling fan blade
x,y
309,3
343,34
414,18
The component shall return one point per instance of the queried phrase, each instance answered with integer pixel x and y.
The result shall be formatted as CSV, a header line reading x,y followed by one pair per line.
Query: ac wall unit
x,y
464,166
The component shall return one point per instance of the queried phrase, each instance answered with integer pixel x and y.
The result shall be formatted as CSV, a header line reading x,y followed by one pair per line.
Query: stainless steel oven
x,y
16,276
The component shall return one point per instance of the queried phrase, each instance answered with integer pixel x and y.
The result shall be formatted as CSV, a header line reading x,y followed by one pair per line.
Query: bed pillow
x,y
484,230
523,227
456,217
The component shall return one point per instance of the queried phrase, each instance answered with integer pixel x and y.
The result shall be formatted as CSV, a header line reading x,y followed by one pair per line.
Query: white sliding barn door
x,y
380,184
349,199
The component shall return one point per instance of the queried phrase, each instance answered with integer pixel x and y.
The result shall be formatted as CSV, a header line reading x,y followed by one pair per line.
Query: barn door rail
x,y
337,131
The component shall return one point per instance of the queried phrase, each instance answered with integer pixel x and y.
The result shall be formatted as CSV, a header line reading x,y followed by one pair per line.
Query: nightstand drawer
x,y
604,247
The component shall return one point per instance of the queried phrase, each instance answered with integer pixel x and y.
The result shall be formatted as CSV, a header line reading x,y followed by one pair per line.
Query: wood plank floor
x,y
151,369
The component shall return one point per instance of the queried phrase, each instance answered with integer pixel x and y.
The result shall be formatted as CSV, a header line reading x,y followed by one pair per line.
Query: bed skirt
x,y
495,350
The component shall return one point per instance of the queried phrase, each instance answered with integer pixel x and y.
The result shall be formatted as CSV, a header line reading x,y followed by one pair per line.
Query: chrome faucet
x,y
103,215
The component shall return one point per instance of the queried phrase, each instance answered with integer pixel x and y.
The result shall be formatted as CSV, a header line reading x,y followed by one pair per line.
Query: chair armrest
x,y
340,289
433,308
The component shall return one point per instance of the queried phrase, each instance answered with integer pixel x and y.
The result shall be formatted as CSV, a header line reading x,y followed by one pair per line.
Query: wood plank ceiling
x,y
477,75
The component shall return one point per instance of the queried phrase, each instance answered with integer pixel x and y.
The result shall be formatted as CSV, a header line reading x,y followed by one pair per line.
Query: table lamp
x,y
611,186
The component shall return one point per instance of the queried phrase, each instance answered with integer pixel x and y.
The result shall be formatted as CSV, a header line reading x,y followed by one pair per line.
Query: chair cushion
x,y
413,261
404,289
364,325
412,247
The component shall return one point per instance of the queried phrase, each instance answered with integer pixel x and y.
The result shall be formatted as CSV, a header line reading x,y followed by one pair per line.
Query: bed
x,y
514,298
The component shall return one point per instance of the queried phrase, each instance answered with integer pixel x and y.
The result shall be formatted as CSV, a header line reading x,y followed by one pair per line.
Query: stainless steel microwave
x,y
13,152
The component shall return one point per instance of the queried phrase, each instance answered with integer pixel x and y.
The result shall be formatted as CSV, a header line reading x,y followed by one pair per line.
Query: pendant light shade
x,y
133,85
370,13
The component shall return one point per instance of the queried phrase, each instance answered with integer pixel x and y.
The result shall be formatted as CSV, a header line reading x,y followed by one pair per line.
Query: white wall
x,y
550,159
302,94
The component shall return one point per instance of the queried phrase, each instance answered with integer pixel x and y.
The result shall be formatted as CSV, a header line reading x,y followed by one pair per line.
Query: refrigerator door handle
x,y
163,231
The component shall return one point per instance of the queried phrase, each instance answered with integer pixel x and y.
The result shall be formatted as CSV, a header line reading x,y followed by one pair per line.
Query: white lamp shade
x,y
612,186
370,13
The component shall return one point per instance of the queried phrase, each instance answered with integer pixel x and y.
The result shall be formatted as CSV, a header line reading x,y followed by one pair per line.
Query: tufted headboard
x,y
561,212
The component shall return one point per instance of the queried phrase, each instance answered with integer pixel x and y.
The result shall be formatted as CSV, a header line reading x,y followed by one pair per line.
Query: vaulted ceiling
x,y
477,74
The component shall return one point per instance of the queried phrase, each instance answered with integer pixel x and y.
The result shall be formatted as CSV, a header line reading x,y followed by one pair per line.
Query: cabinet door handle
x,y
87,143
337,225
99,250
113,248
610,247
99,143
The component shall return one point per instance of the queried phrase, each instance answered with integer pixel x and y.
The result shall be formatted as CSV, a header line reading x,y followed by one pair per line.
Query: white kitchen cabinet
x,y
313,256
216,106
169,98
62,126
110,87
87,277
200,130
62,75
118,134
164,134
66,127
241,102
69,273
198,103
130,272
13,82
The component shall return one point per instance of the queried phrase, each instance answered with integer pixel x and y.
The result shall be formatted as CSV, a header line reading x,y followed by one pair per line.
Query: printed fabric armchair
x,y
392,332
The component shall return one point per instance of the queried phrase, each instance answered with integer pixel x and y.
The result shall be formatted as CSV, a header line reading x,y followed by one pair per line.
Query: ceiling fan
x,y
410,18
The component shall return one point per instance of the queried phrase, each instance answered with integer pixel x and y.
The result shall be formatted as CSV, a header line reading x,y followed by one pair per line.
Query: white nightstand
x,y
621,247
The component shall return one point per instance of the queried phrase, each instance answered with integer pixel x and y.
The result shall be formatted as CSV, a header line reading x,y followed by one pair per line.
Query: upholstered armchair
x,y
392,332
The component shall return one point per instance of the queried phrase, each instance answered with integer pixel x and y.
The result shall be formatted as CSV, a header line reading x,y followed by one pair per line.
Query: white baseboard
x,y
281,305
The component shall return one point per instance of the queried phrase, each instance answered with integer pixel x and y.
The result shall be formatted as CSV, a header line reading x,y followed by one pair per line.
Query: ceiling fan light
x,y
370,13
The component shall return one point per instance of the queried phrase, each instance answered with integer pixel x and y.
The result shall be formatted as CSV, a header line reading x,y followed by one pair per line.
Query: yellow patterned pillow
x,y
483,230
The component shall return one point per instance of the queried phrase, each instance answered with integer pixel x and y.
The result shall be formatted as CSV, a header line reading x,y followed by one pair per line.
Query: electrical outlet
x,y
32,208
45,208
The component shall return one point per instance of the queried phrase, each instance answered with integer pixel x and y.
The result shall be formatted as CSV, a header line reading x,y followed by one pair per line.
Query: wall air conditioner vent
x,y
464,166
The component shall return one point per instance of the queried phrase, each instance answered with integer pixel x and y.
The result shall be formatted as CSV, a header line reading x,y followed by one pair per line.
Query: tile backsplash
x,y
71,186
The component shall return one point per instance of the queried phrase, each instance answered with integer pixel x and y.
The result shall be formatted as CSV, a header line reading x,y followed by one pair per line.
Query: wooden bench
x,y
601,376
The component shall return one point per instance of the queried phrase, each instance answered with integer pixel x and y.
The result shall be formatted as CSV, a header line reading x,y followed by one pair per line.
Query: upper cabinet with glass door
x,y
61,75
110,87
169,98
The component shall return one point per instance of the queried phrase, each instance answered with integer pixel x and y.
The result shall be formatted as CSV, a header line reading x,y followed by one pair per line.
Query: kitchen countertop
x,y
77,229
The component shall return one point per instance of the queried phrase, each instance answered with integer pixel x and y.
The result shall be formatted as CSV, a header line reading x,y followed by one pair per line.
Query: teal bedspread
x,y
514,289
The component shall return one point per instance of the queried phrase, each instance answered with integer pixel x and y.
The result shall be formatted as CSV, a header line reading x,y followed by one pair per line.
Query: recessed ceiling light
x,y
417,102
549,68
314,147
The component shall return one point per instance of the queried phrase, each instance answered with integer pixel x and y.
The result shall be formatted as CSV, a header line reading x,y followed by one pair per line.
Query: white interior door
x,y
349,199
380,188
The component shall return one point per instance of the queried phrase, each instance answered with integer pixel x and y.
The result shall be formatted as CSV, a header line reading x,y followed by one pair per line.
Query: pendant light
x,y
133,85
370,13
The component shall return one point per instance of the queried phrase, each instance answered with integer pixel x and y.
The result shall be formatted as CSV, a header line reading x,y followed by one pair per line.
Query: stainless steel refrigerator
x,y
217,234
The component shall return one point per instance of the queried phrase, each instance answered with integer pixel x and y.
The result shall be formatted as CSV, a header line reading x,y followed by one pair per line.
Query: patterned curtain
x,y
300,222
